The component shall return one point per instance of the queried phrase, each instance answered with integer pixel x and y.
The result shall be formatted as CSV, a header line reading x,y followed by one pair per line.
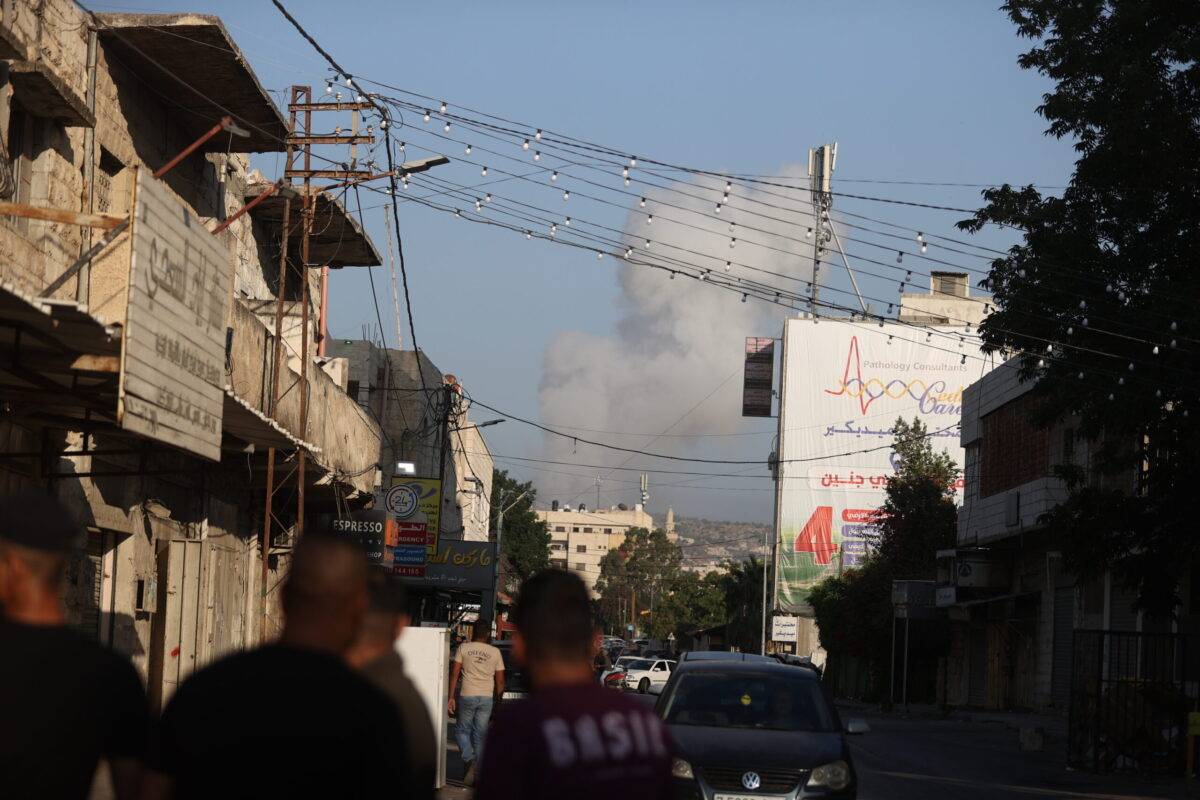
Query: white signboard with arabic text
x,y
173,358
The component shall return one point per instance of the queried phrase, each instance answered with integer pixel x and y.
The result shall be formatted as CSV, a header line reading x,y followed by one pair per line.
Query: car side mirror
x,y
857,727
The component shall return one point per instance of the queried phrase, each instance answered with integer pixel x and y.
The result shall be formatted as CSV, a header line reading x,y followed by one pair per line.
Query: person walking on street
x,y
290,719
571,738
602,663
482,670
66,702
374,655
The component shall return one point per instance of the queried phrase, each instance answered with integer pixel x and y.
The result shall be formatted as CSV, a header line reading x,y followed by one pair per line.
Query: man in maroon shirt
x,y
572,737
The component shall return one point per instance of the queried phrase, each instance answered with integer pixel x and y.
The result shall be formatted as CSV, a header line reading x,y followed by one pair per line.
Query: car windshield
x,y
638,663
749,700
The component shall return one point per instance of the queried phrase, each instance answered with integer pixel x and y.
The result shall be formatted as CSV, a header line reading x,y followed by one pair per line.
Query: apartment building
x,y
392,386
948,302
580,538
141,382
1014,607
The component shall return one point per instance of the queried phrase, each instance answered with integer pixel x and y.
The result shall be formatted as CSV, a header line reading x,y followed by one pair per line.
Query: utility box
x,y
426,654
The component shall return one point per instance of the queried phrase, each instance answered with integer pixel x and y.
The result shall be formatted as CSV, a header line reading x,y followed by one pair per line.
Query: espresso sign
x,y
369,530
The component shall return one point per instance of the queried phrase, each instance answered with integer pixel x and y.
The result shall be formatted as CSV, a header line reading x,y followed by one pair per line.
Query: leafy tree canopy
x,y
1099,298
525,541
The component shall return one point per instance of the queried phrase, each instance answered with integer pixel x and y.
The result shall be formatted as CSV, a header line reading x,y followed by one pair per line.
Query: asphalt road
x,y
907,759
920,758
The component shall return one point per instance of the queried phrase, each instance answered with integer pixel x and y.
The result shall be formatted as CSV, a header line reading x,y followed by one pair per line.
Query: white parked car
x,y
644,674
619,666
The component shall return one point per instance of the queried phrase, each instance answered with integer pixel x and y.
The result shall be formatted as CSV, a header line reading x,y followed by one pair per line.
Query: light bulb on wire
x,y
468,150
538,135
443,106
642,203
566,194
487,198
483,172
426,117
649,219
446,127
537,155
554,175
525,145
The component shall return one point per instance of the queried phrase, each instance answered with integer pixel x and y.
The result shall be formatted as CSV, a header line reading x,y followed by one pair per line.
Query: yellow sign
x,y
415,502
1194,723
746,700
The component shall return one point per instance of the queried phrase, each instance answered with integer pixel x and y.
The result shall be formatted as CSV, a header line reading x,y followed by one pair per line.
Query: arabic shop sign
x,y
173,356
416,505
455,565
370,529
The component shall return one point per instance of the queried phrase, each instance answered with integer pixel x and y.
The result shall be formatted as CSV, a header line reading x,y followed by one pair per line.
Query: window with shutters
x,y
580,566
581,548
112,190
23,130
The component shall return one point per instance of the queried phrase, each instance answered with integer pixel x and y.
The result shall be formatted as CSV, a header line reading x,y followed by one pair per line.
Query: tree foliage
x,y
1099,298
638,576
743,587
525,541
918,517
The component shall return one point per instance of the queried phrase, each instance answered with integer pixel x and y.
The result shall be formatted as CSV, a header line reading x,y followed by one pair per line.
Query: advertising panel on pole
x,y
173,353
416,505
785,628
844,386
758,377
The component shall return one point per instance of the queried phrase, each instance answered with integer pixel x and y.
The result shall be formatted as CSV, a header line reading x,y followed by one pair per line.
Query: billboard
x,y
416,505
758,378
173,354
844,385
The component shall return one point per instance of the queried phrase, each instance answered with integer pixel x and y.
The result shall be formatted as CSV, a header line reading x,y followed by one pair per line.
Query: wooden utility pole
x,y
300,109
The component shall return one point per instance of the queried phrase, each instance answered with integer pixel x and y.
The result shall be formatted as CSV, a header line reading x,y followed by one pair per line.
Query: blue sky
x,y
926,91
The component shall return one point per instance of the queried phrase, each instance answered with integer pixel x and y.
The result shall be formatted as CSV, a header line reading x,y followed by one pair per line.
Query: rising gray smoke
x,y
675,342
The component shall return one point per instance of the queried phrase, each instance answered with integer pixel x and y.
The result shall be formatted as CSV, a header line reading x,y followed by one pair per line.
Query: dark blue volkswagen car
x,y
749,728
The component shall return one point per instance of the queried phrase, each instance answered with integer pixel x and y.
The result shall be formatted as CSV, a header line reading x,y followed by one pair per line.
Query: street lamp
x,y
480,425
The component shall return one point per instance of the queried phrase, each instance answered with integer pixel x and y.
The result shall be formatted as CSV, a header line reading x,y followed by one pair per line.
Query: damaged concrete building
x,y
138,363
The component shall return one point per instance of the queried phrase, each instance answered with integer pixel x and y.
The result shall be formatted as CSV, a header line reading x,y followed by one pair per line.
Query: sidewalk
x,y
1054,725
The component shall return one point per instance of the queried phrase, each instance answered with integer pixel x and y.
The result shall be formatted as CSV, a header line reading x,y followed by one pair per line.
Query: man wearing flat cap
x,y
65,702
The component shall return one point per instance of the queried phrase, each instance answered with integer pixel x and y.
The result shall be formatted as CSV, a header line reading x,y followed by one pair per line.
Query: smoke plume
x,y
675,342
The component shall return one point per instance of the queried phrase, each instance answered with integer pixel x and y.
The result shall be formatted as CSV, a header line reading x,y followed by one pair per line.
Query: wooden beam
x,y
329,106
104,221
94,363
331,139
345,175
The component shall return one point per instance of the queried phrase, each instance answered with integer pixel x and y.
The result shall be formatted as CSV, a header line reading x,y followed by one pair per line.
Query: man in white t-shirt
x,y
482,670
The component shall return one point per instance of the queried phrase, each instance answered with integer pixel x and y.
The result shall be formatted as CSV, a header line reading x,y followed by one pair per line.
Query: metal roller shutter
x,y
1064,631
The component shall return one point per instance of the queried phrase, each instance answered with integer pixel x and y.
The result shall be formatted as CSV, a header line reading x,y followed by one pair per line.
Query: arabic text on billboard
x,y
846,386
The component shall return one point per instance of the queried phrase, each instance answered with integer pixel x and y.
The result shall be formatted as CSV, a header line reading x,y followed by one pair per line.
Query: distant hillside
x,y
710,540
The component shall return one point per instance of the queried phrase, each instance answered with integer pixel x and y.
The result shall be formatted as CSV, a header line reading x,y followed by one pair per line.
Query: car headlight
x,y
681,769
834,775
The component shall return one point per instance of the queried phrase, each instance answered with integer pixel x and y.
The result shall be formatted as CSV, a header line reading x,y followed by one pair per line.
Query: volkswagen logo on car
x,y
751,780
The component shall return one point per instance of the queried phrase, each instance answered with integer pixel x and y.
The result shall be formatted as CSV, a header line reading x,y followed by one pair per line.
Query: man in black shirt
x,y
289,719
65,702
374,655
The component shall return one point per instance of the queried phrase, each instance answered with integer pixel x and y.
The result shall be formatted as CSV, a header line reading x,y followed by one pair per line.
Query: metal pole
x,y
496,563
310,207
766,558
892,664
906,623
